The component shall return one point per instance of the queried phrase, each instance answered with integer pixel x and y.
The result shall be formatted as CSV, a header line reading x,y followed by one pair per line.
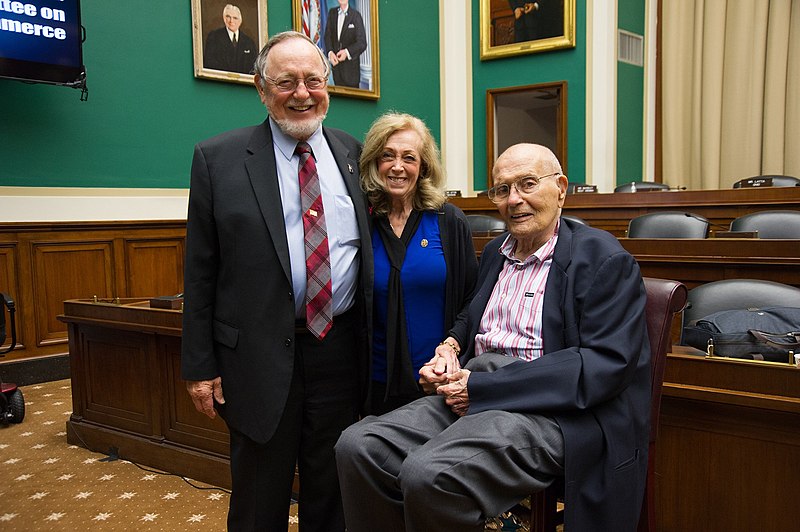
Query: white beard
x,y
300,130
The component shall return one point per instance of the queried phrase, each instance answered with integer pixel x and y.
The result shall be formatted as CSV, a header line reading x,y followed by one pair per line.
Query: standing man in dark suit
x,y
556,382
253,348
345,40
228,48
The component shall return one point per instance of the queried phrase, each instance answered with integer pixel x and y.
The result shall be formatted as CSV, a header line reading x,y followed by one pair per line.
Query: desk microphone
x,y
709,222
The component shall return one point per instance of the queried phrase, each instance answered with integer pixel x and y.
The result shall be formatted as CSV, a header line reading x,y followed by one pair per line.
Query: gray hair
x,y
260,65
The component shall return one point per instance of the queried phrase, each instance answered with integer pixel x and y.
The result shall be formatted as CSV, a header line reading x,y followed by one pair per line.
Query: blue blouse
x,y
423,277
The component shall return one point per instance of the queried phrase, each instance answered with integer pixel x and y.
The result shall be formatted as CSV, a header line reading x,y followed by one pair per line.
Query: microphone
x,y
709,222
723,231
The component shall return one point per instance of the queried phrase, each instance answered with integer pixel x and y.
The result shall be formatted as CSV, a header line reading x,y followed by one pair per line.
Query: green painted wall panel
x,y
630,100
146,110
567,64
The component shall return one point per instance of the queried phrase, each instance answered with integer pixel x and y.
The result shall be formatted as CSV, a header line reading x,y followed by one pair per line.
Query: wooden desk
x,y
127,393
728,451
613,211
694,261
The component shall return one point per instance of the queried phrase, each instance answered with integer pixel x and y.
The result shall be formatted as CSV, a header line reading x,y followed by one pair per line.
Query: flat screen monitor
x,y
40,41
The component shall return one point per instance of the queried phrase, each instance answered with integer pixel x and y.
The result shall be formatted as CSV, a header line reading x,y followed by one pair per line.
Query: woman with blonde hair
x,y
425,264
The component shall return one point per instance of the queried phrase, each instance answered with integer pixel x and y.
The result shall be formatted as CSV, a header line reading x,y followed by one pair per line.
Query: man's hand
x,y
202,393
445,360
341,56
455,392
332,58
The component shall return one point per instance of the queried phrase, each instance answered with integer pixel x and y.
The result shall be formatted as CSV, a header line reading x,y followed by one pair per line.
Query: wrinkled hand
x,y
332,58
434,373
455,392
203,393
341,56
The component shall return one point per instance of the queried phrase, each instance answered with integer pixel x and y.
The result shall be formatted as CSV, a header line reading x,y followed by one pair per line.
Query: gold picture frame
x,y
215,55
311,18
530,113
515,27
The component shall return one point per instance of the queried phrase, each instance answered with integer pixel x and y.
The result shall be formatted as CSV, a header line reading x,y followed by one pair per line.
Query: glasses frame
x,y
274,83
492,192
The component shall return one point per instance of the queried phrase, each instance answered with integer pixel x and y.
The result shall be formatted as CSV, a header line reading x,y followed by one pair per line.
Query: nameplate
x,y
583,189
452,193
754,182
736,234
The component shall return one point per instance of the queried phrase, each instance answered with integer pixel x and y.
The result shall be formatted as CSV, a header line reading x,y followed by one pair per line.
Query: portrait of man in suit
x,y
228,48
345,41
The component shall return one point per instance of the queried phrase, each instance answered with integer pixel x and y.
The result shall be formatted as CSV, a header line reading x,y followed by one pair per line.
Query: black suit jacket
x,y
353,38
239,314
220,54
594,377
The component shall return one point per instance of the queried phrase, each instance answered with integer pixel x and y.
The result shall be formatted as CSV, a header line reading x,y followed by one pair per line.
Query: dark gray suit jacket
x,y
594,378
239,315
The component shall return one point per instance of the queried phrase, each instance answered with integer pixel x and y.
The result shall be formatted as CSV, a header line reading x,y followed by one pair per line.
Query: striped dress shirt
x,y
512,322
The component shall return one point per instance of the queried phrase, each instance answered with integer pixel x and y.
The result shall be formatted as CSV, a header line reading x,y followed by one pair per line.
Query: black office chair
x,y
484,225
777,180
770,224
668,224
730,294
574,219
642,186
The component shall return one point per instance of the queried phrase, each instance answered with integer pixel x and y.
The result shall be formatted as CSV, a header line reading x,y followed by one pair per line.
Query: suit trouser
x,y
322,401
423,468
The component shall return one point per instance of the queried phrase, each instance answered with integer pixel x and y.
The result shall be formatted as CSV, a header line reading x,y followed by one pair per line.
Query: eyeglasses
x,y
312,83
524,185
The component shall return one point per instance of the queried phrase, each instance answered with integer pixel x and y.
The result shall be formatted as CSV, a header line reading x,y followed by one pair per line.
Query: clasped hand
x,y
443,374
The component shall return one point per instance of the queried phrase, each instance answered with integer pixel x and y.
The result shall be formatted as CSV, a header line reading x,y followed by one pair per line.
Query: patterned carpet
x,y
48,484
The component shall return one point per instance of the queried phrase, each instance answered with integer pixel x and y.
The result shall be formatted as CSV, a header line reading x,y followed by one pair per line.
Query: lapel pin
x,y
424,242
350,167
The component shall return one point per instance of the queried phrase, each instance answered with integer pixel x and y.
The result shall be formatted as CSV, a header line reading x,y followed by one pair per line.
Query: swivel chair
x,y
665,298
668,224
730,294
770,224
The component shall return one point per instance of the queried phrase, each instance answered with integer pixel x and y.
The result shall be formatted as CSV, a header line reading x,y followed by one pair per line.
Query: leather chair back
x,y
484,225
668,224
770,224
730,294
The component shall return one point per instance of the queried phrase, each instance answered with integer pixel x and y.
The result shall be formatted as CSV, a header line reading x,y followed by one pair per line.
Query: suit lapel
x,y
263,174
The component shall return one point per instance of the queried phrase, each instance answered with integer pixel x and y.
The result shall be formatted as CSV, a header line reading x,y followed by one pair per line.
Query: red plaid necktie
x,y
319,313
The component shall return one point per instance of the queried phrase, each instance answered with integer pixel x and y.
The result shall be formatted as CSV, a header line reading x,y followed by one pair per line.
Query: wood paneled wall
x,y
44,264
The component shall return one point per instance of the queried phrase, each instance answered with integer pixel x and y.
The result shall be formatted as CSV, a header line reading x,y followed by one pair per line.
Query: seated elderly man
x,y
556,382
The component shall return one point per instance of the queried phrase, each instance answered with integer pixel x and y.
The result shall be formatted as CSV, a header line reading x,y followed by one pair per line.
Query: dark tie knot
x,y
303,147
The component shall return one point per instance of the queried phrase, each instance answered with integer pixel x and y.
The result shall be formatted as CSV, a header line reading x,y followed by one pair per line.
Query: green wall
x,y
567,64
146,110
630,100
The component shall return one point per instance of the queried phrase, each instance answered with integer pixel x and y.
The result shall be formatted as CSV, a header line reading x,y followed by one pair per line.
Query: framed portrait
x,y
227,36
530,113
514,27
347,32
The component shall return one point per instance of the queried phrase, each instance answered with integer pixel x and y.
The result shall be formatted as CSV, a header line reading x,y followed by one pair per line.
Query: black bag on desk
x,y
761,334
